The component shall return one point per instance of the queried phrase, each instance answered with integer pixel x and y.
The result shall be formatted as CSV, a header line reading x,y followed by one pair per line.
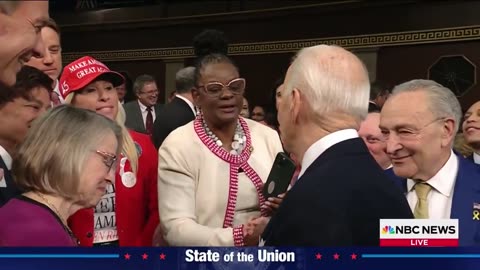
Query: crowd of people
x,y
85,163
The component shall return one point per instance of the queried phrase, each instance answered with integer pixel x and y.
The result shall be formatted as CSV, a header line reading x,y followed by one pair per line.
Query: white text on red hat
x,y
85,63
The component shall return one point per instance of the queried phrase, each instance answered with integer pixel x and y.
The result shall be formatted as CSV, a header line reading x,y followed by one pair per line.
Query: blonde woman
x,y
127,214
65,164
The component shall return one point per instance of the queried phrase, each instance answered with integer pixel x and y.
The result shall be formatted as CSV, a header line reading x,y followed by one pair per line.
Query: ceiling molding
x,y
290,46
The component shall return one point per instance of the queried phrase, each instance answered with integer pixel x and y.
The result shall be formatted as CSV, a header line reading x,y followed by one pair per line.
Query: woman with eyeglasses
x,y
127,214
65,164
212,170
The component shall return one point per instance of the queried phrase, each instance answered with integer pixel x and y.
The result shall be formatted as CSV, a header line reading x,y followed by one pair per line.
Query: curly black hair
x,y
210,41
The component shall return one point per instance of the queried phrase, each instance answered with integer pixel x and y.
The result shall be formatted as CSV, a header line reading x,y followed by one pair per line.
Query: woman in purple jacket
x,y
65,163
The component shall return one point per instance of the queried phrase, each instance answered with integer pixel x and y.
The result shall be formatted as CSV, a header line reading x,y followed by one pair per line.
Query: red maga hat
x,y
83,71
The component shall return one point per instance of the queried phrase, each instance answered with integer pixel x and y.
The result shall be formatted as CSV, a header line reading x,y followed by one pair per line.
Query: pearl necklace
x,y
239,139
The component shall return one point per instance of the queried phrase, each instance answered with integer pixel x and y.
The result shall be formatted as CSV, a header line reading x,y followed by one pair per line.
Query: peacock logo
x,y
388,230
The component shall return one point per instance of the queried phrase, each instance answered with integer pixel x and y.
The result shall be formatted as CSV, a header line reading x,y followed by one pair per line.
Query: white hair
x,y
332,80
443,103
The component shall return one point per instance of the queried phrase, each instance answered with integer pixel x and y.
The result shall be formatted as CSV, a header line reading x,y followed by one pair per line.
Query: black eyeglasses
x,y
110,160
214,89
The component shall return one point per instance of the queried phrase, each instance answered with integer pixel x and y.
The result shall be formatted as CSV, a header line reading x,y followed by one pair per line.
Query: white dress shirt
x,y
440,197
144,111
320,146
8,162
190,104
476,158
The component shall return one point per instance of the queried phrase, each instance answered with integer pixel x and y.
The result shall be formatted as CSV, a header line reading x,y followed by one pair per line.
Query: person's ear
x,y
448,131
295,104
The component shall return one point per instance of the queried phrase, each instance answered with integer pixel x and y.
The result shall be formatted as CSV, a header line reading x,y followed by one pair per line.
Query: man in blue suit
x,y
419,122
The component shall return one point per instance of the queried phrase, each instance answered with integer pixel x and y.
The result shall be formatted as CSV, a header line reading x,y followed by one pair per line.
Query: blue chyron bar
x,y
193,258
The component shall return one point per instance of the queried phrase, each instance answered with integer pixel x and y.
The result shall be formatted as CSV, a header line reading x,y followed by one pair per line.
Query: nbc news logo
x,y
418,232
388,230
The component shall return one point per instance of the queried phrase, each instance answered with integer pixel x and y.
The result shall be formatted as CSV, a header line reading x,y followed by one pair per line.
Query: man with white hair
x,y
438,183
341,193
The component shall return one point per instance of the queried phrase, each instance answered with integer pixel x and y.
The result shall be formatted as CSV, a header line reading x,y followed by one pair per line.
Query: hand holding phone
x,y
280,176
272,203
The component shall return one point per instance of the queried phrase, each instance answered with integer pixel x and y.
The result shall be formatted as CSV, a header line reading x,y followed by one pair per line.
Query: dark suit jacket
x,y
11,190
338,201
175,114
134,118
466,193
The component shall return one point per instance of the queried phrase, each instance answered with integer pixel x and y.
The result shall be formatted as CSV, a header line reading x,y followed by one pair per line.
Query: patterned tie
x,y
149,121
421,208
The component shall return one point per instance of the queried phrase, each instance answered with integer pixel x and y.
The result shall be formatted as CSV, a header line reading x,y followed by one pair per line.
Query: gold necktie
x,y
421,209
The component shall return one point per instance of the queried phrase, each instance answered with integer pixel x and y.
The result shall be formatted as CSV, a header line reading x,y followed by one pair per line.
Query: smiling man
x,y
141,113
438,183
51,61
373,138
21,22
30,98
